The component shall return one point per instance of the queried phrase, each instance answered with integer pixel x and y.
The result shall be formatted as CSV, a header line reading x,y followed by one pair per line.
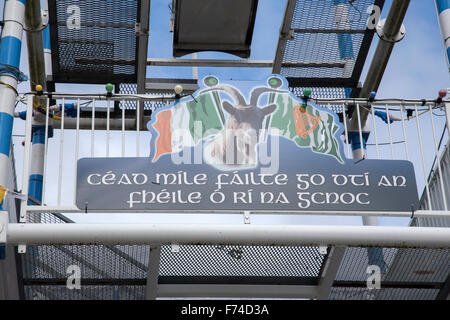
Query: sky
x,y
417,69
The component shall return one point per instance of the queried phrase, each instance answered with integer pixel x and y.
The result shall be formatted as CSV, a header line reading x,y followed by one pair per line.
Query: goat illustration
x,y
236,144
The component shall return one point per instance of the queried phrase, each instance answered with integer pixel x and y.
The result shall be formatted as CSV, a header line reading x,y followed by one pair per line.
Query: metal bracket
x,y
323,250
175,248
396,38
44,23
44,17
290,35
247,217
21,248
138,30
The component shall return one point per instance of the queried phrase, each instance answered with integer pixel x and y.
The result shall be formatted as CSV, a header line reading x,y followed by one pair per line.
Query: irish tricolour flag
x,y
306,125
176,126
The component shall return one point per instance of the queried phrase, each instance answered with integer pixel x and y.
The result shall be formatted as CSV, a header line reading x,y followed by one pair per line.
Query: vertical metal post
x,y
376,134
447,116
419,135
93,129
151,289
443,11
438,159
389,130
344,119
61,149
47,44
333,263
195,69
108,105
285,35
11,44
36,62
404,132
26,157
142,38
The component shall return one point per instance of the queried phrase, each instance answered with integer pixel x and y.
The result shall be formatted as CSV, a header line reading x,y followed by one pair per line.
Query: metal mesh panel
x,y
95,262
324,92
106,34
44,218
403,265
320,14
382,294
321,51
131,88
317,39
87,292
241,261
317,92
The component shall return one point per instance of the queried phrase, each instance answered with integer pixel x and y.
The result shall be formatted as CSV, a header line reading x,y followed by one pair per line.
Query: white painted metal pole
x,y
344,117
390,131
375,131
404,132
93,128
159,234
10,48
26,158
443,10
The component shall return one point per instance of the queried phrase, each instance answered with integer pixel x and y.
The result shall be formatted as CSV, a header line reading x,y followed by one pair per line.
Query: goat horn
x,y
257,92
233,92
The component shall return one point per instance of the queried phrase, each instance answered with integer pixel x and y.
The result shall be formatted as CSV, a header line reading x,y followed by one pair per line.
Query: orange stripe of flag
x,y
164,139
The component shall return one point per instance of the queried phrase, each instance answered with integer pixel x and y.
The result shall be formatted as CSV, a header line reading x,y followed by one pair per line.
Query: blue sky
x,y
417,69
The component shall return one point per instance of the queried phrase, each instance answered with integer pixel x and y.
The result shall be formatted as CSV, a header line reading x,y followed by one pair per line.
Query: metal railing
x,y
414,137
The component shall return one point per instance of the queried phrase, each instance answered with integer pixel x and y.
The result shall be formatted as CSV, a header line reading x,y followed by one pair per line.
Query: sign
x,y
243,146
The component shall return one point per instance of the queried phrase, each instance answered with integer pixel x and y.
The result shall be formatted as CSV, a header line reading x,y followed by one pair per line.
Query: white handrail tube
x,y
163,234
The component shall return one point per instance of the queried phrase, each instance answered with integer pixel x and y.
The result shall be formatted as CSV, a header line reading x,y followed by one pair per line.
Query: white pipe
x,y
167,98
123,128
344,117
436,151
376,134
61,148
404,133
108,103
10,48
418,214
26,158
419,134
390,131
160,234
93,128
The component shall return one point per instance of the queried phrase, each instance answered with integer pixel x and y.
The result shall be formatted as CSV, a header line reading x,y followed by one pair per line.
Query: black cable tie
x,y
424,102
409,113
85,207
412,211
363,158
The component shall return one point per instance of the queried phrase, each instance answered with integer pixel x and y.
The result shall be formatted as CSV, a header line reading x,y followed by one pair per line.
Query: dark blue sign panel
x,y
245,146
302,180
